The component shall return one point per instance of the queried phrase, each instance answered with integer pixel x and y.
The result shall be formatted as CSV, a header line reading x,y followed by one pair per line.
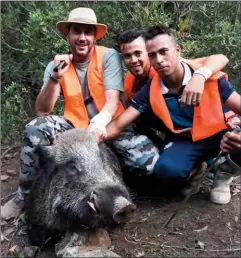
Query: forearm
x,y
214,62
47,98
111,106
113,129
116,126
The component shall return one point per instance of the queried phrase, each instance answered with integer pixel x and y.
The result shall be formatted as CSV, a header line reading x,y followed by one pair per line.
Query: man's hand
x,y
230,142
98,125
99,135
192,92
67,59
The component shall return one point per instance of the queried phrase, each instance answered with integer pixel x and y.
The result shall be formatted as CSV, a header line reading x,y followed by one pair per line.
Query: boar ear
x,y
46,159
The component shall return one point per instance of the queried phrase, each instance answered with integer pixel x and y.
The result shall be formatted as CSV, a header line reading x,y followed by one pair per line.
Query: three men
x,y
91,82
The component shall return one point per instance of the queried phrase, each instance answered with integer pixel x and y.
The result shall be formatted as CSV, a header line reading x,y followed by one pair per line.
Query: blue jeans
x,y
181,155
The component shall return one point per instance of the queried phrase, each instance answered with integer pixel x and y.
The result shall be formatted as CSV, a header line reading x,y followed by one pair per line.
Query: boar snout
x,y
125,210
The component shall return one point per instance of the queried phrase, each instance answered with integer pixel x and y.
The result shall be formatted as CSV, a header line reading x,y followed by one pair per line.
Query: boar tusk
x,y
92,206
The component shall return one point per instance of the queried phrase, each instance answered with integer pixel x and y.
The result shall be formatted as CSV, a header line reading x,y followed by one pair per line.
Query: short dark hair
x,y
128,36
156,30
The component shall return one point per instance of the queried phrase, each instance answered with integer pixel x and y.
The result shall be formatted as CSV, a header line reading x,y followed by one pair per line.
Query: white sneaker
x,y
220,192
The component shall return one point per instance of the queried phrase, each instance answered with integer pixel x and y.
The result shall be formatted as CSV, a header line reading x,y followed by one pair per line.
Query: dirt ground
x,y
202,229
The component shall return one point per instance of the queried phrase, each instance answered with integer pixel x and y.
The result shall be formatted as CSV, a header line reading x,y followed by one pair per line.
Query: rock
x,y
4,178
70,240
29,251
89,252
99,238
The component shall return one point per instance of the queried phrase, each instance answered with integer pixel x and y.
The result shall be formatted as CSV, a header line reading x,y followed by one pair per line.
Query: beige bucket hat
x,y
82,15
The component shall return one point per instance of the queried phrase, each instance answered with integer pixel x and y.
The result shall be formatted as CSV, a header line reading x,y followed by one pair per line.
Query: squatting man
x,y
193,134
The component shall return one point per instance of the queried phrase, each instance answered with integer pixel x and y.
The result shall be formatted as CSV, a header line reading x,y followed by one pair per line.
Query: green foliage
x,y
16,254
30,40
17,108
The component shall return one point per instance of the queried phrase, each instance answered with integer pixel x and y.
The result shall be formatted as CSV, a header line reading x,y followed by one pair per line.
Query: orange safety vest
x,y
208,117
75,110
130,81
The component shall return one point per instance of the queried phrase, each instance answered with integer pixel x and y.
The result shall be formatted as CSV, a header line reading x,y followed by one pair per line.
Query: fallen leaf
x,y
8,156
4,177
8,231
112,248
143,220
140,254
14,248
236,218
3,223
30,251
175,233
199,244
11,172
235,191
201,229
229,226
15,154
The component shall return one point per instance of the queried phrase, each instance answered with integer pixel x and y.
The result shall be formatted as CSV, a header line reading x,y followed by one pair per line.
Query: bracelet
x,y
201,75
54,79
204,71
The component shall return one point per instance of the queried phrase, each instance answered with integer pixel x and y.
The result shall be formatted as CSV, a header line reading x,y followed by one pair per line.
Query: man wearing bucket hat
x,y
90,78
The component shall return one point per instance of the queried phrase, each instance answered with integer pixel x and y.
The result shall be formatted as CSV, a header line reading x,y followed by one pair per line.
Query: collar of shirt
x,y
186,79
81,66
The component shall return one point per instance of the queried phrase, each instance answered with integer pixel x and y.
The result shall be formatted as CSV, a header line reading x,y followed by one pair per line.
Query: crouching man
x,y
193,134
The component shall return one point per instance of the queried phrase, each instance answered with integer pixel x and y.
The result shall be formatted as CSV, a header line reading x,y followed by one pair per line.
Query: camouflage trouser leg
x,y
136,152
40,131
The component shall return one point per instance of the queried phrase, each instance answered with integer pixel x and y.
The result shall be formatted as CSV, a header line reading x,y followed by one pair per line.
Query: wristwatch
x,y
204,71
54,79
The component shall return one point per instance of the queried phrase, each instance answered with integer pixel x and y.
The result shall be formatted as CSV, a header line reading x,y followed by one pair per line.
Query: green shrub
x,y
17,107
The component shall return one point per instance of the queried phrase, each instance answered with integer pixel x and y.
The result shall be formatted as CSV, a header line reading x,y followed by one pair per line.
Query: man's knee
x,y
137,152
170,169
41,130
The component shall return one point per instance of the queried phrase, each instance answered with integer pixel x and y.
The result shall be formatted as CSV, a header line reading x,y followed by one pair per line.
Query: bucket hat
x,y
82,15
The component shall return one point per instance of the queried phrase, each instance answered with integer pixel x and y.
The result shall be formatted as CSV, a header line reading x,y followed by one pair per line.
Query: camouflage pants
x,y
134,151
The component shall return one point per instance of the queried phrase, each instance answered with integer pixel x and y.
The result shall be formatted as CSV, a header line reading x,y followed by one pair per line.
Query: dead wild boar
x,y
79,186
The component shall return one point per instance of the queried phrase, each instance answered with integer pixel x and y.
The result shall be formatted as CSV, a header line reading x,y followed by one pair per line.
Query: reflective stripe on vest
x,y
208,116
75,110
130,81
